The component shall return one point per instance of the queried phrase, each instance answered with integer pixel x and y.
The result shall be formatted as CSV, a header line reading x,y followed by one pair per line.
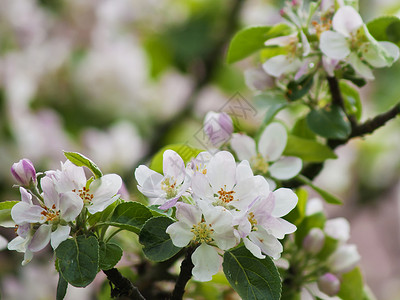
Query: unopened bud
x,y
24,172
218,127
344,259
329,284
314,241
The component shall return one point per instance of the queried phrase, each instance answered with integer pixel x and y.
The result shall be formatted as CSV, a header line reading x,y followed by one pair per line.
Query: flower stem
x,y
184,276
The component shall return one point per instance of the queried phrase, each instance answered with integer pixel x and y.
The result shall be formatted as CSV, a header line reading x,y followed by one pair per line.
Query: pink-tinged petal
x,y
253,248
286,168
170,203
41,238
285,201
70,206
23,212
173,165
344,259
143,173
25,196
180,234
188,214
206,261
272,141
329,65
346,20
334,45
218,127
361,68
24,172
243,171
282,41
59,235
50,194
258,80
201,187
279,227
221,171
244,146
71,177
281,64
263,206
338,228
267,243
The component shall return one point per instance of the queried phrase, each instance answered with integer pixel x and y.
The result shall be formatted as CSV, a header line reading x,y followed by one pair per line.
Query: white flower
x,y
351,42
101,192
21,242
269,149
167,189
225,183
338,228
261,225
207,226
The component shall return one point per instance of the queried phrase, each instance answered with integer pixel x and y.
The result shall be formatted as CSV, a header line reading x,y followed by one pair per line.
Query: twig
x,y
184,276
123,288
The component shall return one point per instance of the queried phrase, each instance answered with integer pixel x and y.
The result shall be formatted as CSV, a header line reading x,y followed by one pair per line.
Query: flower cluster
x,y
49,208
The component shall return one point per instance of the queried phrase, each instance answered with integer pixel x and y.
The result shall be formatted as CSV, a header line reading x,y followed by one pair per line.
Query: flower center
x,y
225,196
325,25
50,214
202,233
259,164
169,186
85,195
252,221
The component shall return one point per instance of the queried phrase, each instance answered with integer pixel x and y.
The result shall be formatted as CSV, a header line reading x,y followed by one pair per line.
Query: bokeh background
x,y
118,79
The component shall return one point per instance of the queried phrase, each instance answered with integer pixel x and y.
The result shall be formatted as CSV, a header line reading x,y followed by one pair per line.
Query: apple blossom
x,y
207,227
218,127
314,240
269,150
24,172
164,189
344,259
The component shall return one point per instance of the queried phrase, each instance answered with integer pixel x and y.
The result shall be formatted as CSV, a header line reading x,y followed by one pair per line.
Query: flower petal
x,y
267,243
221,171
361,68
281,64
272,141
334,45
3,243
180,234
279,227
70,206
338,228
173,165
23,212
253,248
50,193
188,214
59,235
244,146
285,201
344,259
206,261
346,20
41,238
201,187
143,173
286,168
381,55
25,196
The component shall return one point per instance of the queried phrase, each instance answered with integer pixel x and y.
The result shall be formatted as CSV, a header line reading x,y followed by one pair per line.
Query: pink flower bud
x,y
24,172
329,284
314,241
218,127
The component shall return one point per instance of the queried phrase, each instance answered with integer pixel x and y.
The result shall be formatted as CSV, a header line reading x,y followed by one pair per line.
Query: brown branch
x,y
184,275
123,288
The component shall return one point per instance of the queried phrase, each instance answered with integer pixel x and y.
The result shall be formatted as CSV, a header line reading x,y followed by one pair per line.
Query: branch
x,y
184,276
123,288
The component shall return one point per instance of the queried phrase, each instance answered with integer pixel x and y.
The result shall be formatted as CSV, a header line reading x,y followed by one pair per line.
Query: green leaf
x,y
78,260
5,213
330,123
249,40
185,151
329,247
272,102
329,198
352,101
159,212
157,243
61,287
307,150
5,205
352,286
309,222
297,90
82,161
102,216
252,278
385,28
130,216
109,255
301,129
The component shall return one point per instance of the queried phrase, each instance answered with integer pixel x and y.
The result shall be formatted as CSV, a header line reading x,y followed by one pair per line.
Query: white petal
x,y
360,67
344,259
285,201
314,205
180,234
50,193
173,165
25,196
334,45
253,248
41,238
305,44
201,187
206,261
272,141
338,228
286,168
23,212
243,171
279,227
27,257
221,221
143,173
18,244
380,55
346,20
267,243
101,204
281,64
188,214
70,206
59,235
104,191
282,41
244,146
221,171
